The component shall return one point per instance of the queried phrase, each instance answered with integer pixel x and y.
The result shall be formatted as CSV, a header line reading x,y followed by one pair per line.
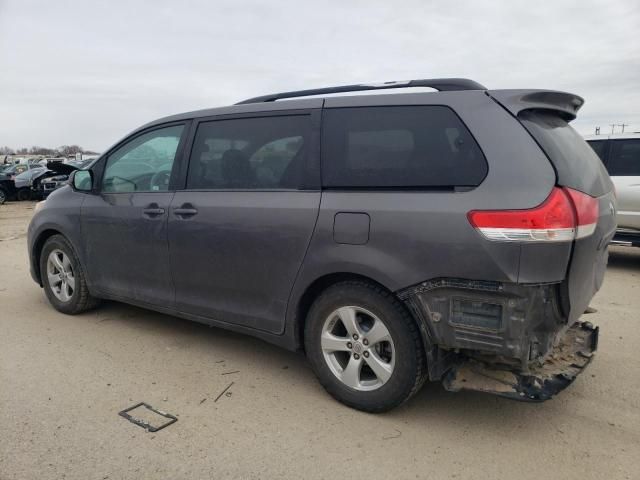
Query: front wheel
x,y
364,347
63,277
24,194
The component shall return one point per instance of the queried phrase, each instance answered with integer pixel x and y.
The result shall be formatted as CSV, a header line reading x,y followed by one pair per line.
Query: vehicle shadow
x,y
624,258
432,405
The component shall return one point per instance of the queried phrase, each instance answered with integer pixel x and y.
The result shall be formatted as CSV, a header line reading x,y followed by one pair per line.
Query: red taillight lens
x,y
587,212
566,214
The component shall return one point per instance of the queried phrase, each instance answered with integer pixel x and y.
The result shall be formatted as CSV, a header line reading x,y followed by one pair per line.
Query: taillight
x,y
587,212
566,214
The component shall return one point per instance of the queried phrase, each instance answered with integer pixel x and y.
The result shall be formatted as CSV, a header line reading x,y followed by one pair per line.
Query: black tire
x,y
24,194
409,372
3,196
80,300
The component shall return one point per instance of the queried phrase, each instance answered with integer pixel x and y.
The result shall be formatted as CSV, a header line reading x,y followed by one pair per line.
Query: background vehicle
x,y
23,181
455,236
7,189
621,156
55,176
16,169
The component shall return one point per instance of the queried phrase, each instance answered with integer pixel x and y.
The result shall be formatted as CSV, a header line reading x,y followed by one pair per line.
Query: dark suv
x,y
455,236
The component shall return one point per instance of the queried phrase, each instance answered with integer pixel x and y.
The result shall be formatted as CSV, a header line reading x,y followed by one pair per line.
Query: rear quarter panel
x,y
416,236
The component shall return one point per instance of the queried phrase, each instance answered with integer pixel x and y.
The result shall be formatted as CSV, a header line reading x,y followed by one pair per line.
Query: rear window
x,y
599,146
624,159
398,147
576,164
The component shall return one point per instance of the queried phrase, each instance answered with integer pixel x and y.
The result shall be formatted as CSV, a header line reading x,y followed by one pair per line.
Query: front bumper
x,y
568,358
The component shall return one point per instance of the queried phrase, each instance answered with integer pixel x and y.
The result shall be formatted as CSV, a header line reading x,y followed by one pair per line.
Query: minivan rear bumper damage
x,y
567,359
514,340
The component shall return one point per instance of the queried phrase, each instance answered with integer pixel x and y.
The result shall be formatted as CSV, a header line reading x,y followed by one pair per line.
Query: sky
x,y
87,72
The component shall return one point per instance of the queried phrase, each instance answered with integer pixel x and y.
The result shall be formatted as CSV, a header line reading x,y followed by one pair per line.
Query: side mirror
x,y
81,180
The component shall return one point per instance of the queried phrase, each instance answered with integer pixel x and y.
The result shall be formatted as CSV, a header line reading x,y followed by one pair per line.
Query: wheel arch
x,y
36,251
315,288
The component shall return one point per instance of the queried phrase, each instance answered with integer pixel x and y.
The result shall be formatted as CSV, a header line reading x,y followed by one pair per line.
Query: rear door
x,y
578,167
623,164
239,231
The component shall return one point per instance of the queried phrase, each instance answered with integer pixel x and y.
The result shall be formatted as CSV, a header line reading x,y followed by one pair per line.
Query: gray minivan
x,y
455,236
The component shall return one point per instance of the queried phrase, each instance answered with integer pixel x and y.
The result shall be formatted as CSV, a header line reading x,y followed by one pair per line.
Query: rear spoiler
x,y
515,101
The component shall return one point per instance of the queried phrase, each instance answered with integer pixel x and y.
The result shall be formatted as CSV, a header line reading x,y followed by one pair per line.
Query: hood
x,y
59,167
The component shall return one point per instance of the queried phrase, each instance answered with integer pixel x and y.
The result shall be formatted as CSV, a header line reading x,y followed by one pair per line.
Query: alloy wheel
x,y
60,275
358,348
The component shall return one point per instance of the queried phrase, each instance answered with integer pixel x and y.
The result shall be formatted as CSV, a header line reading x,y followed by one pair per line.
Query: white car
x,y
620,154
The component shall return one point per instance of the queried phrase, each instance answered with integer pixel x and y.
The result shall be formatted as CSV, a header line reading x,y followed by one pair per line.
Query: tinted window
x,y
624,159
598,147
143,164
576,164
398,147
249,153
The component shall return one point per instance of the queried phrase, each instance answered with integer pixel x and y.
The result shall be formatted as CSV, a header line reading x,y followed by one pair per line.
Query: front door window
x,y
143,164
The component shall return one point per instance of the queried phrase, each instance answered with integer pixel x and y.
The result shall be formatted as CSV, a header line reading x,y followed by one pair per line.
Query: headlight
x,y
39,206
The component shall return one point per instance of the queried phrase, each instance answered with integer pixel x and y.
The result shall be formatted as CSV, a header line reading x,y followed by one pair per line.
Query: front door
x,y
124,226
239,231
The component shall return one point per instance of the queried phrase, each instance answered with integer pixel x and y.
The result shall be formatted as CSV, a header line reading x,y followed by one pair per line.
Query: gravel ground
x,y
64,379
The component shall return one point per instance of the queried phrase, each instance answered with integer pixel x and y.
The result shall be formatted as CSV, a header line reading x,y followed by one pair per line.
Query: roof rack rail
x,y
440,84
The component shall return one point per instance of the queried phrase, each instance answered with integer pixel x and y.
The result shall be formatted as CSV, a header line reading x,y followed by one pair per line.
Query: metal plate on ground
x,y
149,412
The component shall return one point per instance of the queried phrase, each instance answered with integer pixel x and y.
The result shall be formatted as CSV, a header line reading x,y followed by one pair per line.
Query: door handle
x,y
153,211
185,212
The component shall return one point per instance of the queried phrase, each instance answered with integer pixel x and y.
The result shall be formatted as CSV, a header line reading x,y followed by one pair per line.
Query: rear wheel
x,y
3,196
364,346
63,277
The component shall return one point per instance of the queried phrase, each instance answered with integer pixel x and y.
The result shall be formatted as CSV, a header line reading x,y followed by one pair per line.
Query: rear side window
x,y
250,153
576,164
624,159
398,147
599,146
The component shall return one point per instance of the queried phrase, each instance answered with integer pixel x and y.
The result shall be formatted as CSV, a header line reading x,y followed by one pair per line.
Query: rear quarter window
x,y
398,147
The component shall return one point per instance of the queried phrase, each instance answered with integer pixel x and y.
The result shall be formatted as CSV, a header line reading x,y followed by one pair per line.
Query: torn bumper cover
x,y
566,360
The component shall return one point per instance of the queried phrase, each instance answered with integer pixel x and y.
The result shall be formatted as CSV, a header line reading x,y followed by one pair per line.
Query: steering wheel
x,y
160,180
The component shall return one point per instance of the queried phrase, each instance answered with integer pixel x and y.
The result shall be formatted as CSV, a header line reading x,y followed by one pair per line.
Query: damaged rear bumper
x,y
567,359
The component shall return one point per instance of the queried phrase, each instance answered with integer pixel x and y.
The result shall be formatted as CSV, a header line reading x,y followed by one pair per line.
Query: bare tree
x,y
35,150
64,150
70,149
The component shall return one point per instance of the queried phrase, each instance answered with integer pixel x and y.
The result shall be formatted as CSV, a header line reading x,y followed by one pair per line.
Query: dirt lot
x,y
63,380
